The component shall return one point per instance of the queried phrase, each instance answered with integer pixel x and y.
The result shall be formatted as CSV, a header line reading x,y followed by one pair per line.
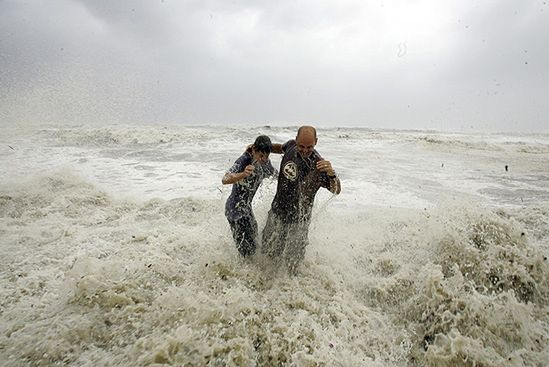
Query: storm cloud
x,y
454,65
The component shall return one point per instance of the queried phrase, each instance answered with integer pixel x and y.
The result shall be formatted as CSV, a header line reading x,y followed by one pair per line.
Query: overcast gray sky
x,y
403,64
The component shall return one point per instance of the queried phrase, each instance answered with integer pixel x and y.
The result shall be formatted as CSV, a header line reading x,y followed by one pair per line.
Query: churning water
x,y
115,251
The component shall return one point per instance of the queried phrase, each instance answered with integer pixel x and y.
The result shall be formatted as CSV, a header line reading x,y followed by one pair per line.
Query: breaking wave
x,y
91,279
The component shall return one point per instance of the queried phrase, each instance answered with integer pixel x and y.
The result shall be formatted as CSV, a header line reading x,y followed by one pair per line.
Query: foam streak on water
x,y
114,251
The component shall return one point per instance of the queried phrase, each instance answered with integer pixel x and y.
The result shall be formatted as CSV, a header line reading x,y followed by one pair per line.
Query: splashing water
x,y
104,265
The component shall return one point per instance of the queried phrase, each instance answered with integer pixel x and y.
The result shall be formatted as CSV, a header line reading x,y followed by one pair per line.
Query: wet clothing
x,y
287,228
239,203
238,208
285,240
298,183
244,234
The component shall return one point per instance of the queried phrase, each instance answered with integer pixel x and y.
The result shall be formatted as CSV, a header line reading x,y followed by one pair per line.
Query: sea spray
x,y
479,297
115,251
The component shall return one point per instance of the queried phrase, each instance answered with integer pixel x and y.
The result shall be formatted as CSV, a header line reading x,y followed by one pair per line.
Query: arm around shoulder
x,y
277,148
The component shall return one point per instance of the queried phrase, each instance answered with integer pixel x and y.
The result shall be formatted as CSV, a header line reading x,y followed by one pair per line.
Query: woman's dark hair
x,y
263,144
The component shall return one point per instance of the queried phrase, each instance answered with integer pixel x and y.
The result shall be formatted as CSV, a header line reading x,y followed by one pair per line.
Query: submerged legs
x,y
245,235
285,241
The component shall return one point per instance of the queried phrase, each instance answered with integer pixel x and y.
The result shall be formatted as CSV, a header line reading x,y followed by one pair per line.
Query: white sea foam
x,y
115,251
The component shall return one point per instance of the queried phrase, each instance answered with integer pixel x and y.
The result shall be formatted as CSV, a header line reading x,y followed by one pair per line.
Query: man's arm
x,y
277,148
335,184
326,166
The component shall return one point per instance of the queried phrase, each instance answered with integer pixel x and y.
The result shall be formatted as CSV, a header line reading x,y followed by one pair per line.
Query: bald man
x,y
302,173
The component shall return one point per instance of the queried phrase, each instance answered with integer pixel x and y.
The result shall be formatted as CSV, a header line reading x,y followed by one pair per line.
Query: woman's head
x,y
262,148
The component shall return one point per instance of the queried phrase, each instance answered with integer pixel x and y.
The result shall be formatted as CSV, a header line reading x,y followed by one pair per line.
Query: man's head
x,y
262,148
306,140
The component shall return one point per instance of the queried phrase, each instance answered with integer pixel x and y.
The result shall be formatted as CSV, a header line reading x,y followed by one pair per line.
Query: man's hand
x,y
325,166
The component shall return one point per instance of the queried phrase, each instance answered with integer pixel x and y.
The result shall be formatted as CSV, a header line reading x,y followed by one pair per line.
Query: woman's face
x,y
260,156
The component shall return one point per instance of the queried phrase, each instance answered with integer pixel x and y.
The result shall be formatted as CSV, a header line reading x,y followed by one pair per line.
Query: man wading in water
x,y
302,173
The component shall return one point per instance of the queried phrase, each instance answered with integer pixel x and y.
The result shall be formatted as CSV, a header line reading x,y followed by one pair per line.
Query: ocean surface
x,y
114,251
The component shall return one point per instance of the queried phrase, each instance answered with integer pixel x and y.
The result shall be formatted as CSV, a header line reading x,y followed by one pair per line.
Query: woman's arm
x,y
231,178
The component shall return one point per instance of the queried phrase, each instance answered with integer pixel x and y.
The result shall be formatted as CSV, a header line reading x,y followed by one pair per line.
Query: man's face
x,y
306,142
